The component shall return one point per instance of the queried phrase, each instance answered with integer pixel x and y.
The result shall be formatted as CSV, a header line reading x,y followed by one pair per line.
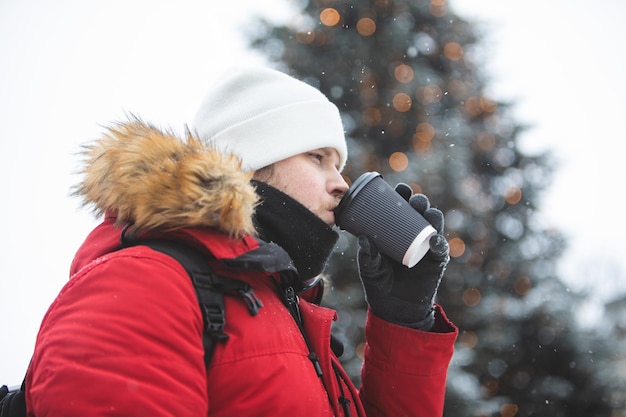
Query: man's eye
x,y
317,156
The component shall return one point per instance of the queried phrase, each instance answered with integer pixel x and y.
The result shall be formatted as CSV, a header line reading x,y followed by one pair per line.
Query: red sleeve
x,y
405,370
124,337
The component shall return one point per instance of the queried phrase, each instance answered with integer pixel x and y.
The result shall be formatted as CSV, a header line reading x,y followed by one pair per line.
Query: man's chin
x,y
329,219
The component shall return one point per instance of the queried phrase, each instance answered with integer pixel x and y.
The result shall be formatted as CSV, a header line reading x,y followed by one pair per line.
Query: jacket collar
x,y
307,239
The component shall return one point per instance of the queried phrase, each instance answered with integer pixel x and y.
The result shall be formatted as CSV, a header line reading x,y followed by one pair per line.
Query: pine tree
x,y
411,97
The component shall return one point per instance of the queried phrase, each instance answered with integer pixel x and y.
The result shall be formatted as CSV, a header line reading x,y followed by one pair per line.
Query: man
x,y
124,336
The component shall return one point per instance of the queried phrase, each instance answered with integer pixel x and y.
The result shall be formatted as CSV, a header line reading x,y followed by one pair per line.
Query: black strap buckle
x,y
215,320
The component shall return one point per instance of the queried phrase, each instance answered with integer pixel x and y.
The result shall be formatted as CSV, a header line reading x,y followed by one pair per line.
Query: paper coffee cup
x,y
373,208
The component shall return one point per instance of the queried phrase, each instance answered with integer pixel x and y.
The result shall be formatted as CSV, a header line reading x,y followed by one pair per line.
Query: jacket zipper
x,y
294,309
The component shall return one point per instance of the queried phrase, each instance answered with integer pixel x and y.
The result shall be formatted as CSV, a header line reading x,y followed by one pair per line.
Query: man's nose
x,y
340,186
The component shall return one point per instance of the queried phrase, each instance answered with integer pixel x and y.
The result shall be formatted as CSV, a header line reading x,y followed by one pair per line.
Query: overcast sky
x,y
69,67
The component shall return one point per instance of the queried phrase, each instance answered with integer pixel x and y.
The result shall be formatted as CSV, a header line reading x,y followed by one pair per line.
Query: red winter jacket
x,y
124,336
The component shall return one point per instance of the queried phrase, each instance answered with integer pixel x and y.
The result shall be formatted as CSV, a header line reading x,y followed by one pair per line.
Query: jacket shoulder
x,y
131,320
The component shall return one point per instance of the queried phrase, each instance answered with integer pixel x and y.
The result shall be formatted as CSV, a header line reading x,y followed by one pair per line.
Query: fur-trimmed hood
x,y
161,182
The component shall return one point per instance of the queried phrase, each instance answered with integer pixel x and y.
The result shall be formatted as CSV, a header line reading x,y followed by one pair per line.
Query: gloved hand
x,y
396,293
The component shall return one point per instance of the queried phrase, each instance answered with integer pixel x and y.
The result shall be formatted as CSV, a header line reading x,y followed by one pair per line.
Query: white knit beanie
x,y
264,116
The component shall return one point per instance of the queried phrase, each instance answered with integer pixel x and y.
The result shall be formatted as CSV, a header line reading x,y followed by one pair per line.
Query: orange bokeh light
x,y
330,17
366,26
457,247
398,161
403,73
402,102
509,410
522,285
430,94
513,195
471,297
453,51
486,141
438,8
424,134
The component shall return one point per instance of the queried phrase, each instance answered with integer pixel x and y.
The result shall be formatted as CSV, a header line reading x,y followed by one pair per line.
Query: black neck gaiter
x,y
304,236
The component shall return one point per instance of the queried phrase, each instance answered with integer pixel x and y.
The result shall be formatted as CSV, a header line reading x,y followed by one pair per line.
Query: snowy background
x,y
69,67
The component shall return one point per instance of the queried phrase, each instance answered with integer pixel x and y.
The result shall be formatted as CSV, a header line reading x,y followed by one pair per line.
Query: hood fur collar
x,y
158,181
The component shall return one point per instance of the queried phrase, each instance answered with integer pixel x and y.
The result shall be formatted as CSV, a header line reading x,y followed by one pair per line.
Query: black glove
x,y
396,293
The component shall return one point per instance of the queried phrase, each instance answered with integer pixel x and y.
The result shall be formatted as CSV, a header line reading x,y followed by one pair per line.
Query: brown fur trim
x,y
160,182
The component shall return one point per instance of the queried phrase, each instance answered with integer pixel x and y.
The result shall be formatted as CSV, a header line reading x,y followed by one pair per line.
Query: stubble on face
x,y
305,178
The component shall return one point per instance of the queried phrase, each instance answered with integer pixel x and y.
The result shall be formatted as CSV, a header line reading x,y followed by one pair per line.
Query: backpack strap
x,y
210,289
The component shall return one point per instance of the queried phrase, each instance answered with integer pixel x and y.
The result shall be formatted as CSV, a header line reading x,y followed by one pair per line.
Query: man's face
x,y
313,179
